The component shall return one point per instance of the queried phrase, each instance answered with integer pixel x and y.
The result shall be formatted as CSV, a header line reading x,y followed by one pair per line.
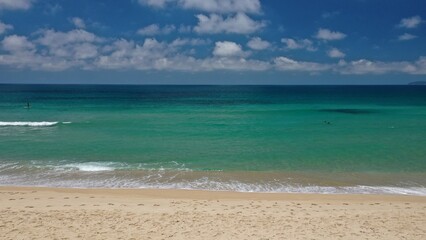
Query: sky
x,y
213,41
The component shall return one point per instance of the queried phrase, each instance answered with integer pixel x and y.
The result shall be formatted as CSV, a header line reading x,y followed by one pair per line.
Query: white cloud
x,y
70,48
293,44
52,38
411,22
364,66
154,55
85,50
287,64
357,67
328,35
420,66
4,27
15,4
22,54
227,49
151,55
232,64
184,29
15,43
240,24
155,29
222,6
406,37
189,41
52,51
335,53
257,43
78,22
78,49
154,3
210,6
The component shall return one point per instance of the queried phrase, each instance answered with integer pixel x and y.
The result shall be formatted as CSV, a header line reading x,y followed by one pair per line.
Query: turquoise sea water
x,y
241,138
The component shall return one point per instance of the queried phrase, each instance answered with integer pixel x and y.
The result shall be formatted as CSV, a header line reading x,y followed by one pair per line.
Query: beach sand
x,y
49,213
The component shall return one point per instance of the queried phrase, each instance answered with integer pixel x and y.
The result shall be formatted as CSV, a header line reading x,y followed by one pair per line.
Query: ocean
x,y
304,139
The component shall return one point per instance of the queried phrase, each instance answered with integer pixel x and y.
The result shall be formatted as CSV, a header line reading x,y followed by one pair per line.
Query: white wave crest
x,y
91,167
27,124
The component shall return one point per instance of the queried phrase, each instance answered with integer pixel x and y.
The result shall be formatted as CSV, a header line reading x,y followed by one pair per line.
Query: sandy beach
x,y
53,213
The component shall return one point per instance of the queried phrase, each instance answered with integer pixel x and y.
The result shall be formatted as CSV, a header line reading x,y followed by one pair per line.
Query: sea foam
x,y
113,175
90,167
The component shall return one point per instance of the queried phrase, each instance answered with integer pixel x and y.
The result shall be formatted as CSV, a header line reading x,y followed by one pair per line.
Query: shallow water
x,y
310,138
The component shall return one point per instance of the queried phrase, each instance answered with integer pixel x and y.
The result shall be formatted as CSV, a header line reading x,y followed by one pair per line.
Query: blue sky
x,y
213,41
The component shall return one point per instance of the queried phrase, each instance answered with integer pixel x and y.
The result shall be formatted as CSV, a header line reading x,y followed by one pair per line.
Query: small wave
x,y
123,175
27,124
90,167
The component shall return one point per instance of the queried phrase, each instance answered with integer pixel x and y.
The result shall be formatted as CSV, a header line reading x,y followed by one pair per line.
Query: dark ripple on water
x,y
353,111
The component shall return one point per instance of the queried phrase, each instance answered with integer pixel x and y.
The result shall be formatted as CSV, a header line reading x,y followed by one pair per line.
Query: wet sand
x,y
54,213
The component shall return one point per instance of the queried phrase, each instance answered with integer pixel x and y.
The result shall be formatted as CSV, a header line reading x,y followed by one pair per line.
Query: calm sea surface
x,y
328,139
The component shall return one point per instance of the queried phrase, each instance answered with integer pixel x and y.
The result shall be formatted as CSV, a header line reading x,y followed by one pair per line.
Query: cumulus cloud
x,y
328,35
123,54
15,43
239,24
335,53
411,22
293,44
22,54
53,38
154,3
155,55
357,67
228,49
50,50
155,29
4,27
16,4
364,66
189,42
78,22
184,29
67,49
210,6
257,43
419,66
287,64
222,6
406,37
233,64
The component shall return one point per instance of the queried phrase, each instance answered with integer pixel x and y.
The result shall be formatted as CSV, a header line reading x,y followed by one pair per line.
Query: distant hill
x,y
418,83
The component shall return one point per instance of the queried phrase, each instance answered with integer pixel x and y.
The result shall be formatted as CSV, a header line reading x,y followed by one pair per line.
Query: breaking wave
x,y
119,175
30,124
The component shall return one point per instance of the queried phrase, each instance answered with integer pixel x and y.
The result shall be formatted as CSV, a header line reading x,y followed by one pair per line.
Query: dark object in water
x,y
348,111
327,122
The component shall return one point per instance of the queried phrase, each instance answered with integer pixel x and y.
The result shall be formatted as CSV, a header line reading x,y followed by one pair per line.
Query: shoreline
x,y
83,176
71,213
211,194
